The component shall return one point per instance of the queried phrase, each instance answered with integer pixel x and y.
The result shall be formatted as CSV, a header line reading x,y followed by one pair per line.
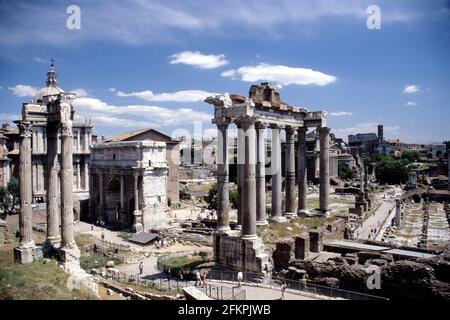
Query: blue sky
x,y
139,64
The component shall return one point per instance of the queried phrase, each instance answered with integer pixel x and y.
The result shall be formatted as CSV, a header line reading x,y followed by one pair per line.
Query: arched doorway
x,y
113,201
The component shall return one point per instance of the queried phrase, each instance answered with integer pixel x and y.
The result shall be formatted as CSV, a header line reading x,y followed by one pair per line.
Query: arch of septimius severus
x,y
263,109
54,108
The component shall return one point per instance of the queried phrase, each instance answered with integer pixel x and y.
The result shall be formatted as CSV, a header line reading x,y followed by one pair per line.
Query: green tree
x,y
345,172
234,198
411,156
9,196
211,199
392,170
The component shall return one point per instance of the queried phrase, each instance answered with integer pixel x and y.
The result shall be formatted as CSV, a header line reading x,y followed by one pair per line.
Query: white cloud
x,y
132,116
1,87
8,117
198,60
79,92
341,114
112,89
364,127
179,96
40,60
22,90
411,88
411,104
279,74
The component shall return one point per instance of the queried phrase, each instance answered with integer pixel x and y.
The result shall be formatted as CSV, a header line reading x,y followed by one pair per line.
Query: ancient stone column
x,y
137,225
261,216
240,174
223,220
24,253
101,204
249,203
276,175
324,191
86,175
302,172
122,193
53,216
290,173
79,176
67,239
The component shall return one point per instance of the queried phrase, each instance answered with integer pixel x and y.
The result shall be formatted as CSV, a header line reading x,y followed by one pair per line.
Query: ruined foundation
x,y
239,254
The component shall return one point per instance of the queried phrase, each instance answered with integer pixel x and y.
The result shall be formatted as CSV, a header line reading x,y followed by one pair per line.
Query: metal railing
x,y
298,286
223,293
156,282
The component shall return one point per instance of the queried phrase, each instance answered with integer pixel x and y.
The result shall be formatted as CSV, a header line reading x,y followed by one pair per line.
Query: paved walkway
x,y
262,293
379,218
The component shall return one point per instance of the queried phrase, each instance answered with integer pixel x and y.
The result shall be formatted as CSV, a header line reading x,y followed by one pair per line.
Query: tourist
x,y
92,227
283,289
141,268
103,236
203,279
240,277
197,277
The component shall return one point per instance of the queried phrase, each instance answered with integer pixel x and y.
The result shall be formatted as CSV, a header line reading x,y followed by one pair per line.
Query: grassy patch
x,y
190,262
96,260
35,281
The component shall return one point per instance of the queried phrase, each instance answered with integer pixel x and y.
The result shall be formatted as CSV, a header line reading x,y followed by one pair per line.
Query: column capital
x,y
324,130
302,129
245,121
222,122
25,128
289,129
261,125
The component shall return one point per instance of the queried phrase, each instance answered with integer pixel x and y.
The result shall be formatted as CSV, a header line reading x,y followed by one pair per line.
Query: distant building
x,y
438,150
82,141
385,148
4,161
363,142
172,156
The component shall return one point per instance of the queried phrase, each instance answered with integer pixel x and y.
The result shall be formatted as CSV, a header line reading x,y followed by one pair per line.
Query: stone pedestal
x,y
233,252
23,255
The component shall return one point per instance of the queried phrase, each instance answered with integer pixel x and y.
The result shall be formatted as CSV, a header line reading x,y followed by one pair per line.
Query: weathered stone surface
x,y
365,256
302,247
283,254
110,264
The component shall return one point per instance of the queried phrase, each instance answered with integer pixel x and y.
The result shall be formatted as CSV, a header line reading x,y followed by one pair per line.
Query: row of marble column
x,y
137,213
251,175
56,236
